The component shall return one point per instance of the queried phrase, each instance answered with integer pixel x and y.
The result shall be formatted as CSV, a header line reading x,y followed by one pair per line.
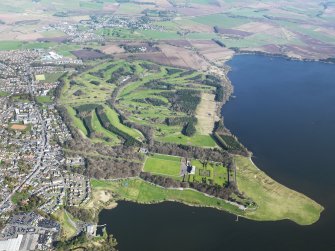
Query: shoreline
x,y
260,53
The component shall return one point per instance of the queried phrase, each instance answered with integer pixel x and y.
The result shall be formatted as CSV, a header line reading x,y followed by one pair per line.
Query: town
x,y
31,159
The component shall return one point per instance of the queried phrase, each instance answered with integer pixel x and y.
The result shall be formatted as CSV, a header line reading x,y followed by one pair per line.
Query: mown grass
x,y
196,140
275,201
163,164
217,173
44,99
4,94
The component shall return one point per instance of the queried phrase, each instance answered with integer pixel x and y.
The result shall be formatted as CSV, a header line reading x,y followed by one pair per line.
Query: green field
x,y
140,191
167,165
19,196
40,77
213,173
220,20
275,201
196,140
163,165
3,94
44,99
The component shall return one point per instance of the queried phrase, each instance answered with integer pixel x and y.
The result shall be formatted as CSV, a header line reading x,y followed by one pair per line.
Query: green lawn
x,y
10,45
3,94
214,173
52,77
19,196
275,201
196,140
163,164
140,191
44,99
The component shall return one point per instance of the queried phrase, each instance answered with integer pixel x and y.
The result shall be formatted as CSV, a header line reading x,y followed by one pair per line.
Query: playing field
x,y
163,165
40,77
18,127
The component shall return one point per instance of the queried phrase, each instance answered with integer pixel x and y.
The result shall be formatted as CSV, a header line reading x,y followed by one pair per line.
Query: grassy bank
x,y
139,191
275,201
68,230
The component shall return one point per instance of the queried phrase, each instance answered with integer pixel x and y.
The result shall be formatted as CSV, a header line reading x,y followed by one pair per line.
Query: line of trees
x,y
180,120
223,192
217,155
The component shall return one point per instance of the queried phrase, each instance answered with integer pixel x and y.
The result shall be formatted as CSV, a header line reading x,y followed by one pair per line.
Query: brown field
x,y
18,127
171,55
233,32
88,54
156,57
198,10
212,51
255,27
206,114
111,6
183,57
112,49
179,43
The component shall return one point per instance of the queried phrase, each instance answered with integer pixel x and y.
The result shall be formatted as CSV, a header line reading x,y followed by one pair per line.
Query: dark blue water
x,y
284,112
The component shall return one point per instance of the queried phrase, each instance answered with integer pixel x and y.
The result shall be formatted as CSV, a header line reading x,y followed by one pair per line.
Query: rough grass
x,y
206,114
68,230
275,201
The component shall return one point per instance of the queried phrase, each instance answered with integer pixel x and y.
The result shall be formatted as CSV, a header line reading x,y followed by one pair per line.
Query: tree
x,y
189,129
